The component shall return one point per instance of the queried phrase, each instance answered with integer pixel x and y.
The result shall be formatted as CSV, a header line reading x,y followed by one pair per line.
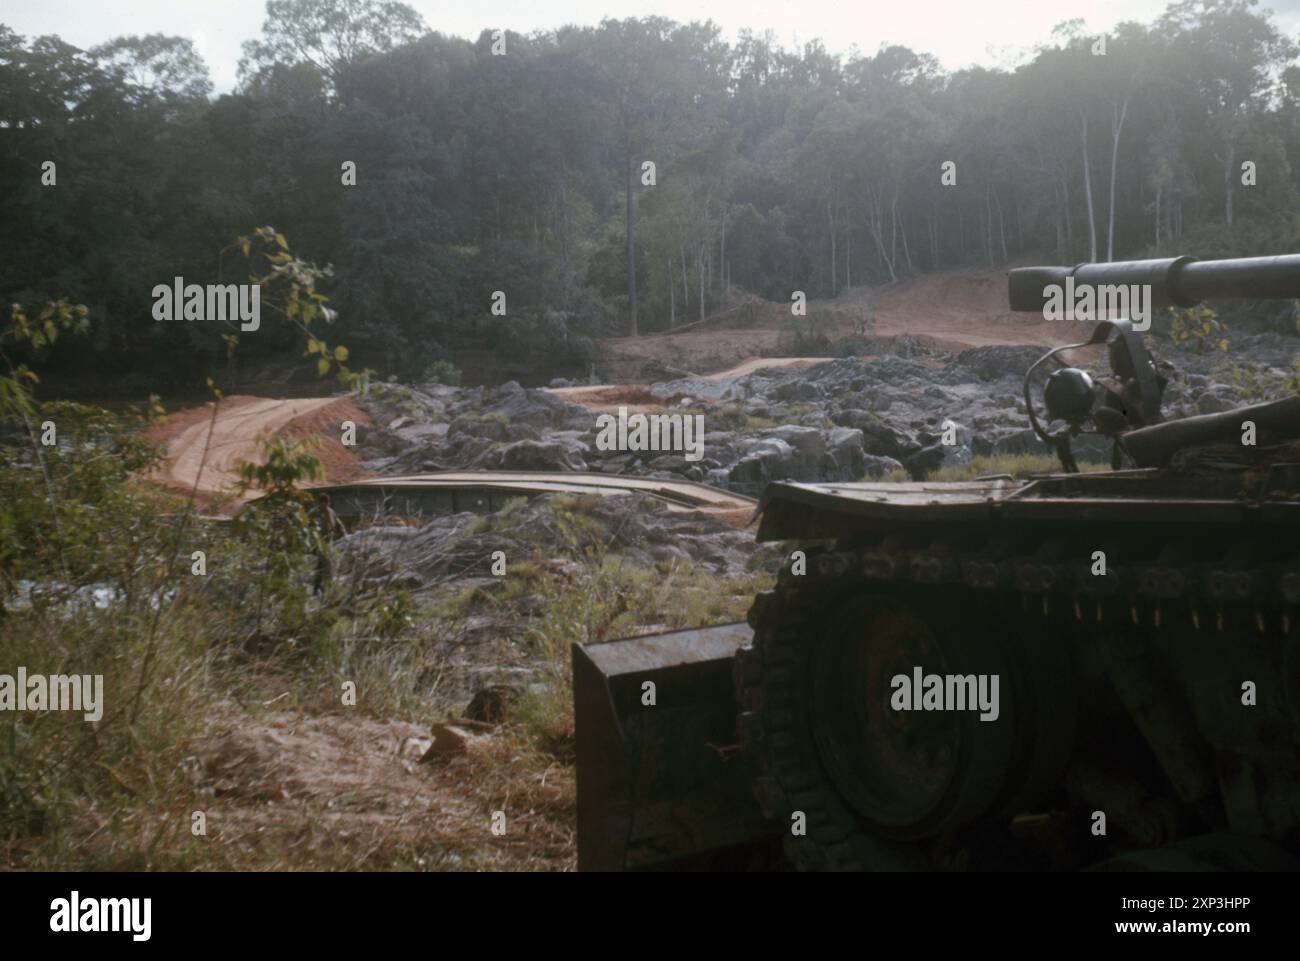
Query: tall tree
x,y
658,82
1231,57
329,34
156,67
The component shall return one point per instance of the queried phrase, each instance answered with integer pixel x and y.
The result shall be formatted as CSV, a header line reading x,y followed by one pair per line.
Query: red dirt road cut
x,y
242,424
954,309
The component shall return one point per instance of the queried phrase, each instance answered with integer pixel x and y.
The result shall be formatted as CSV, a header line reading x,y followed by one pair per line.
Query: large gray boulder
x,y
769,459
808,446
844,448
531,455
999,361
874,466
537,408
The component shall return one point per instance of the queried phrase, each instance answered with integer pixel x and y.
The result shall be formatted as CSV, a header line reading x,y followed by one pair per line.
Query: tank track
x,y
1150,583
764,677
1146,580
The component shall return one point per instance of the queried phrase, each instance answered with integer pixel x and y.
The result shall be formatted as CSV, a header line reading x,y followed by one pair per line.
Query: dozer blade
x,y
661,780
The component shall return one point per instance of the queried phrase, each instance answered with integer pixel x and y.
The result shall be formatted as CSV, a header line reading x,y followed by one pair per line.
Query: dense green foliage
x,y
775,170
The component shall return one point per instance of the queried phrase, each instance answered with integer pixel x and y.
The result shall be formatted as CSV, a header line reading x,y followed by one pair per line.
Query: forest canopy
x,y
620,178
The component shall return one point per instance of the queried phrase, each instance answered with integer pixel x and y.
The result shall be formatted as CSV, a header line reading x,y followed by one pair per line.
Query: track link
x,y
1244,586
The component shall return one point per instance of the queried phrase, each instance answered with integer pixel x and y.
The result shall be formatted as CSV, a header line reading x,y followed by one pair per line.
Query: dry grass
x,y
251,729
1017,466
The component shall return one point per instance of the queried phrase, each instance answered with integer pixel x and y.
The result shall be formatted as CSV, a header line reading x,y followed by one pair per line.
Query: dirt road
x,y
638,400
241,425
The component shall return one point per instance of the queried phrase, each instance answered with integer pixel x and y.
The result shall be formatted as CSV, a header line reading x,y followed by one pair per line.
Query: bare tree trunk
x,y
1069,216
1002,226
875,223
565,258
934,238
907,253
1160,189
686,290
631,241
830,216
988,224
1060,222
722,255
1229,160
1020,224
1087,193
1116,128
672,296
699,260
893,228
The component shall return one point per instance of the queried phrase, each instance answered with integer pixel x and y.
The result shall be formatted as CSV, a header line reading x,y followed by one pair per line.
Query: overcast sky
x,y
958,32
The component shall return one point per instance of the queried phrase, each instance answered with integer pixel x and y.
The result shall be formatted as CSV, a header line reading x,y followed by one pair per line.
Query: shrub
x,y
442,372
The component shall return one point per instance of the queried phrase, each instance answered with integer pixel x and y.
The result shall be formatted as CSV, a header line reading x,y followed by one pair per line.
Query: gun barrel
x,y
1174,281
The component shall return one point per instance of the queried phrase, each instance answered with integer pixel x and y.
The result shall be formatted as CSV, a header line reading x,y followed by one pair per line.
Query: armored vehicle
x,y
1078,670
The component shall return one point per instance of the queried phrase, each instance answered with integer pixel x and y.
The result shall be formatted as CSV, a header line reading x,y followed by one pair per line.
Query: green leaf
x,y
340,354
323,366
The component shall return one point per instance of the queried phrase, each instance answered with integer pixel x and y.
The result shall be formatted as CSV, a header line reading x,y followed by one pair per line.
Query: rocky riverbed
x,y
846,419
